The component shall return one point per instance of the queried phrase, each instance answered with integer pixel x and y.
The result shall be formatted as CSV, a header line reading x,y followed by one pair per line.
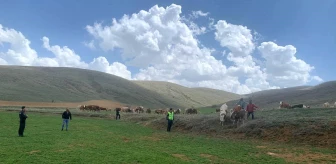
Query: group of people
x,y
66,116
250,107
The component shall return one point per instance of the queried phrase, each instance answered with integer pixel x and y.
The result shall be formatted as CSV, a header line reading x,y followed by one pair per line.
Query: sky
x,y
233,45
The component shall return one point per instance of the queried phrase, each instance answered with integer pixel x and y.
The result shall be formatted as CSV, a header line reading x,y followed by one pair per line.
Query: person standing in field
x,y
66,117
242,103
170,118
250,109
23,117
117,114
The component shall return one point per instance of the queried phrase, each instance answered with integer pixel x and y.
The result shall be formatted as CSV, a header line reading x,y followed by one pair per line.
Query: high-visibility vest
x,y
170,115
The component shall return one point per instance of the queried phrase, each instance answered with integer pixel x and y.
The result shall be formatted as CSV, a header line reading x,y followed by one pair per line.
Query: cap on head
x,y
23,107
171,109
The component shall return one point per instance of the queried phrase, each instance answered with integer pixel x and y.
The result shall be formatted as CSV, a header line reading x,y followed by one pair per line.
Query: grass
x,y
94,140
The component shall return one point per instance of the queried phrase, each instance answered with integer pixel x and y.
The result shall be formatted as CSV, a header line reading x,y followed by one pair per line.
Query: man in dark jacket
x,y
118,113
66,116
23,117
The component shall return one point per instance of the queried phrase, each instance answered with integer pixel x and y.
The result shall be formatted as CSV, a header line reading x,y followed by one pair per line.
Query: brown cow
x,y
160,111
102,108
82,107
177,111
284,105
238,115
191,111
139,109
93,108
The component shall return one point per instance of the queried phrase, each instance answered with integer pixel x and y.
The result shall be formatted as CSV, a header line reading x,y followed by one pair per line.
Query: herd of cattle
x,y
139,109
236,114
288,106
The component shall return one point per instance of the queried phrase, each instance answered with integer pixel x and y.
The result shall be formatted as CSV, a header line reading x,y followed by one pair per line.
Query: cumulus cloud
x,y
163,44
282,66
90,44
20,53
199,13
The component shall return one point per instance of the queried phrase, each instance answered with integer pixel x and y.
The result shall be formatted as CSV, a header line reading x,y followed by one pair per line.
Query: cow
x,y
297,106
224,112
82,107
126,109
177,111
326,105
160,111
238,115
93,108
102,108
191,111
139,109
148,110
284,105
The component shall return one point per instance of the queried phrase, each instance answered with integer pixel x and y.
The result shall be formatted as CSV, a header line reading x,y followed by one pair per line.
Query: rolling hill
x,y
44,84
183,95
313,96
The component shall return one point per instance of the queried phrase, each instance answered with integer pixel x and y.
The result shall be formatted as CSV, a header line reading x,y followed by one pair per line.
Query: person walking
x,y
117,114
170,118
23,117
250,109
66,116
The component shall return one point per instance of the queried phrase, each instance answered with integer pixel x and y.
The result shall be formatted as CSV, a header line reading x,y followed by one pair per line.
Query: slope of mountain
x,y
44,84
194,96
313,96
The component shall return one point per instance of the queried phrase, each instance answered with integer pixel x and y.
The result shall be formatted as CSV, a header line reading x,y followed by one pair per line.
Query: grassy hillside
x,y
91,140
313,96
195,96
44,84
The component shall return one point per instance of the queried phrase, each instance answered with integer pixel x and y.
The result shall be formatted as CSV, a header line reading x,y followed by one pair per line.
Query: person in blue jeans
x,y
66,117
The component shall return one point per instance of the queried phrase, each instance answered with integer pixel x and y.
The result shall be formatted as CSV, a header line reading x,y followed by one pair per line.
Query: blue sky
x,y
307,25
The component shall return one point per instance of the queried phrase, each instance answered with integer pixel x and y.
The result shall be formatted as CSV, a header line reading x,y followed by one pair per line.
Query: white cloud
x,y
199,13
90,44
116,68
163,44
235,37
317,78
282,66
20,53
239,40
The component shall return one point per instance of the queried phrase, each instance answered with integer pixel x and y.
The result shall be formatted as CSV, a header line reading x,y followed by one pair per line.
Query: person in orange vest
x,y
170,118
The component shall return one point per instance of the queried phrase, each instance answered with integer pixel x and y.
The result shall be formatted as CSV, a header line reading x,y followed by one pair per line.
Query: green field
x,y
103,140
